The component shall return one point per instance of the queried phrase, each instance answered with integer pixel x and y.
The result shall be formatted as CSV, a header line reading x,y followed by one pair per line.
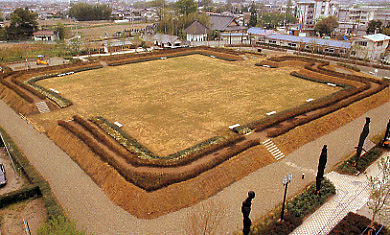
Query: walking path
x,y
90,208
352,193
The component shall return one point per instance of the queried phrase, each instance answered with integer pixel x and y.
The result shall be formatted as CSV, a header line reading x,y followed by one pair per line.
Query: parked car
x,y
3,178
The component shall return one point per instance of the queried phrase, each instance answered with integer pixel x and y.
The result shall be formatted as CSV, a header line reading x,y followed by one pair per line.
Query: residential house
x,y
370,47
167,41
196,32
45,35
231,31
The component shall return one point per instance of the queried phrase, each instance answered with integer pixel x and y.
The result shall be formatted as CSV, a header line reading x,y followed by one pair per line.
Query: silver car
x,y
3,178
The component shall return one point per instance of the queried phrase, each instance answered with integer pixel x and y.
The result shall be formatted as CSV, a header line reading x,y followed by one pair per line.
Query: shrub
x,y
355,224
349,167
33,177
349,66
308,202
297,207
59,226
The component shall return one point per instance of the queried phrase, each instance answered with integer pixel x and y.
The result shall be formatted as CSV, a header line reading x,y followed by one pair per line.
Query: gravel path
x,y
90,207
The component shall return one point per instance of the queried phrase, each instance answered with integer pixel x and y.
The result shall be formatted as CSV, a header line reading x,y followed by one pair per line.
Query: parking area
x,y
14,181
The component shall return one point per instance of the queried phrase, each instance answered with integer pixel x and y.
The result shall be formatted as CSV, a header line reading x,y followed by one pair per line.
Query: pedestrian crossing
x,y
273,149
42,107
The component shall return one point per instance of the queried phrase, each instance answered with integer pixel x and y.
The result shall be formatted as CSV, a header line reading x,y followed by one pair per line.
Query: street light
x,y
285,182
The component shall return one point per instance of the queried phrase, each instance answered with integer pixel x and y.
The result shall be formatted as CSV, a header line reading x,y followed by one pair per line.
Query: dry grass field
x,y
172,104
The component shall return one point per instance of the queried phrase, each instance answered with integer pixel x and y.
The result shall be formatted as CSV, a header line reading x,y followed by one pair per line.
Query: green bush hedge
x,y
297,208
38,184
56,98
146,158
308,202
355,224
348,167
349,66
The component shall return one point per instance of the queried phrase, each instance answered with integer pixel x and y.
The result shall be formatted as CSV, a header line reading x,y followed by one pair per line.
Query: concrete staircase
x,y
273,149
42,107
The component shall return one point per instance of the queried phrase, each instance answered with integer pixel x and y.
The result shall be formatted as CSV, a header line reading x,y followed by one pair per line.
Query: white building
x,y
196,32
313,11
45,35
370,47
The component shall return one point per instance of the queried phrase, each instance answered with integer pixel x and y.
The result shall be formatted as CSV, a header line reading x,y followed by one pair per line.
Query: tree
x,y
326,25
85,11
321,168
23,24
60,29
373,25
205,219
362,138
272,20
253,17
186,7
379,201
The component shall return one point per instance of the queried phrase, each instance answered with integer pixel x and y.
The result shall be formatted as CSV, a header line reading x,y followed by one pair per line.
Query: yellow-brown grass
x,y
301,135
174,104
150,205
16,102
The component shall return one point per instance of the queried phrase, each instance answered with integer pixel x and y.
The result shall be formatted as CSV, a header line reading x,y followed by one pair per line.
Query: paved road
x,y
90,207
352,193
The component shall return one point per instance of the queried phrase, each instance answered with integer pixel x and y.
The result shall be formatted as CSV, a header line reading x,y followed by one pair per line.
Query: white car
x,y
3,178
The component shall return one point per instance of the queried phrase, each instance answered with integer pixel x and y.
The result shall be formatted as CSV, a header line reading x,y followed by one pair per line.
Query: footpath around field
x,y
90,208
352,193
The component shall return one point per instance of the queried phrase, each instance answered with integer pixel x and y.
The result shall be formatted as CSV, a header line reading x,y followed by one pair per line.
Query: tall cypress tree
x,y
253,18
321,168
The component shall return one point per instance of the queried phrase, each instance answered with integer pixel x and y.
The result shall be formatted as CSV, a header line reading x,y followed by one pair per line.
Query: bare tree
x,y
206,219
379,201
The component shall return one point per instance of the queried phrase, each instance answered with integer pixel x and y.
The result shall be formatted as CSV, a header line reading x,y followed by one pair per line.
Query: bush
x,y
59,226
141,177
53,208
297,207
308,202
349,167
349,66
355,224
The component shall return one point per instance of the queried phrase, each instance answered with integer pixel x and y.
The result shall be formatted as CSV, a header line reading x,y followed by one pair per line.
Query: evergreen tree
x,y
253,17
23,24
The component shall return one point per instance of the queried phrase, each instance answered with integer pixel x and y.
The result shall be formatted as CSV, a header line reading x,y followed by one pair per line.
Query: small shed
x,y
45,35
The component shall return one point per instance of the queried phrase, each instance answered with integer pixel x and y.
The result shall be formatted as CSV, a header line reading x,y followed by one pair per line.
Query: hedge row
x,y
173,55
146,158
17,90
297,207
328,101
165,52
56,98
158,178
356,224
349,66
261,124
38,186
348,166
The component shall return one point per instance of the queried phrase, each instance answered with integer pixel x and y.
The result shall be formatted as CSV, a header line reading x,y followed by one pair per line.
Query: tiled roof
x,y
377,37
318,41
43,33
219,22
165,38
196,28
259,31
